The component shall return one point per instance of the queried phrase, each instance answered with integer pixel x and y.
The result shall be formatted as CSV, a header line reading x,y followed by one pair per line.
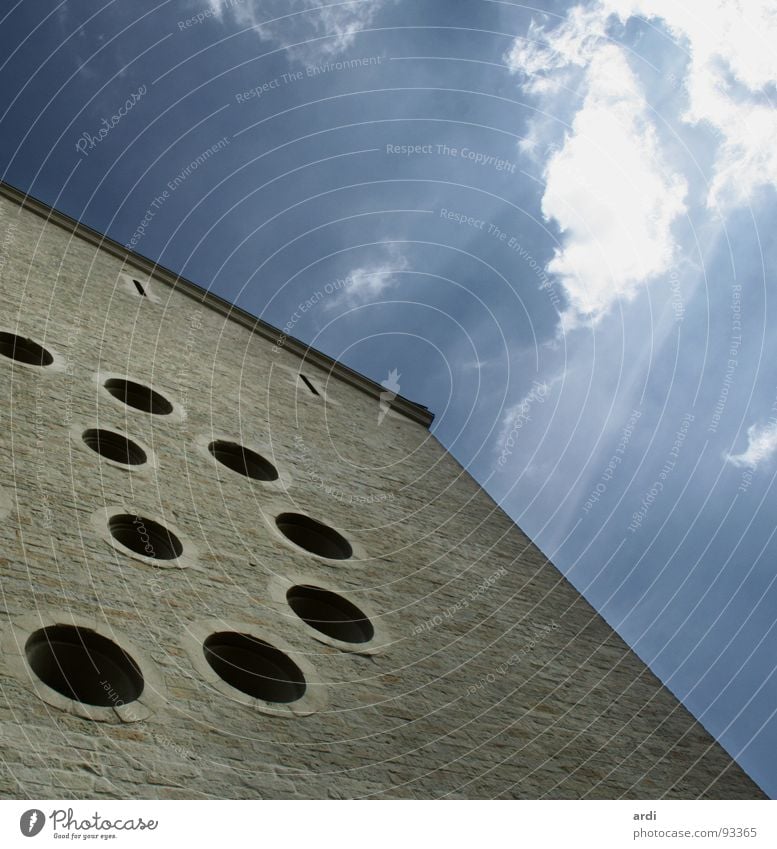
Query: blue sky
x,y
556,223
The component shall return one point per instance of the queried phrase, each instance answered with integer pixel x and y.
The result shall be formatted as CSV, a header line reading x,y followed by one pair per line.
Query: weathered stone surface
x,y
498,679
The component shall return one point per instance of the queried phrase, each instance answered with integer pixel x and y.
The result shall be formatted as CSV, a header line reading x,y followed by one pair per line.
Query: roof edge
x,y
415,412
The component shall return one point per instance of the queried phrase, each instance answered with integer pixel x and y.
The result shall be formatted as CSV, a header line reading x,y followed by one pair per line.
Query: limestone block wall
x,y
488,675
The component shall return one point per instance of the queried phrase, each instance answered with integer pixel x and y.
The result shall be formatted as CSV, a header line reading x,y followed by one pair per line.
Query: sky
x,y
553,222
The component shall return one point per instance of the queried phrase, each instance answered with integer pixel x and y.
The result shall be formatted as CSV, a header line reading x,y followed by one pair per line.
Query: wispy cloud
x,y
547,58
311,29
761,447
516,415
368,283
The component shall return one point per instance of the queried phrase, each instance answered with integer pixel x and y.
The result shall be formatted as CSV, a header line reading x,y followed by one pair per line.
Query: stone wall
x,y
491,676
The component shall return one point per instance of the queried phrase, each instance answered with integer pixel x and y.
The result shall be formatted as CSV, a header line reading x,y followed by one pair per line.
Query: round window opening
x,y
314,536
254,667
83,665
114,446
24,350
145,537
330,614
138,396
243,461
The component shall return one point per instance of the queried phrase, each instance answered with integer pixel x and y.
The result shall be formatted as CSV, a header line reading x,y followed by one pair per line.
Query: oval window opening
x,y
243,461
254,667
313,536
138,397
114,446
24,350
145,537
83,665
330,614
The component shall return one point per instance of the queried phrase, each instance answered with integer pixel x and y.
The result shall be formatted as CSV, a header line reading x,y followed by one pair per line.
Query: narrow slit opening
x,y
309,385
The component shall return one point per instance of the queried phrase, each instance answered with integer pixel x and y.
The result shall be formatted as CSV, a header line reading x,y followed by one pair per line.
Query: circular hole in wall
x,y
330,614
145,537
138,396
24,350
114,446
83,665
254,667
314,536
243,461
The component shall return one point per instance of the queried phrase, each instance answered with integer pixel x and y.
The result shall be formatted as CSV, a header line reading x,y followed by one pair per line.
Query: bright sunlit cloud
x,y
608,190
730,83
616,222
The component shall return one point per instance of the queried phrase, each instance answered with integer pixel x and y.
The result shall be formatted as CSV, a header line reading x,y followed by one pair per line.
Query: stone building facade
x,y
233,568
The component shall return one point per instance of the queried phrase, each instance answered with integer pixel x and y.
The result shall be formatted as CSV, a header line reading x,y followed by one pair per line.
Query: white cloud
x,y
607,188
730,82
761,446
368,283
294,22
733,64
